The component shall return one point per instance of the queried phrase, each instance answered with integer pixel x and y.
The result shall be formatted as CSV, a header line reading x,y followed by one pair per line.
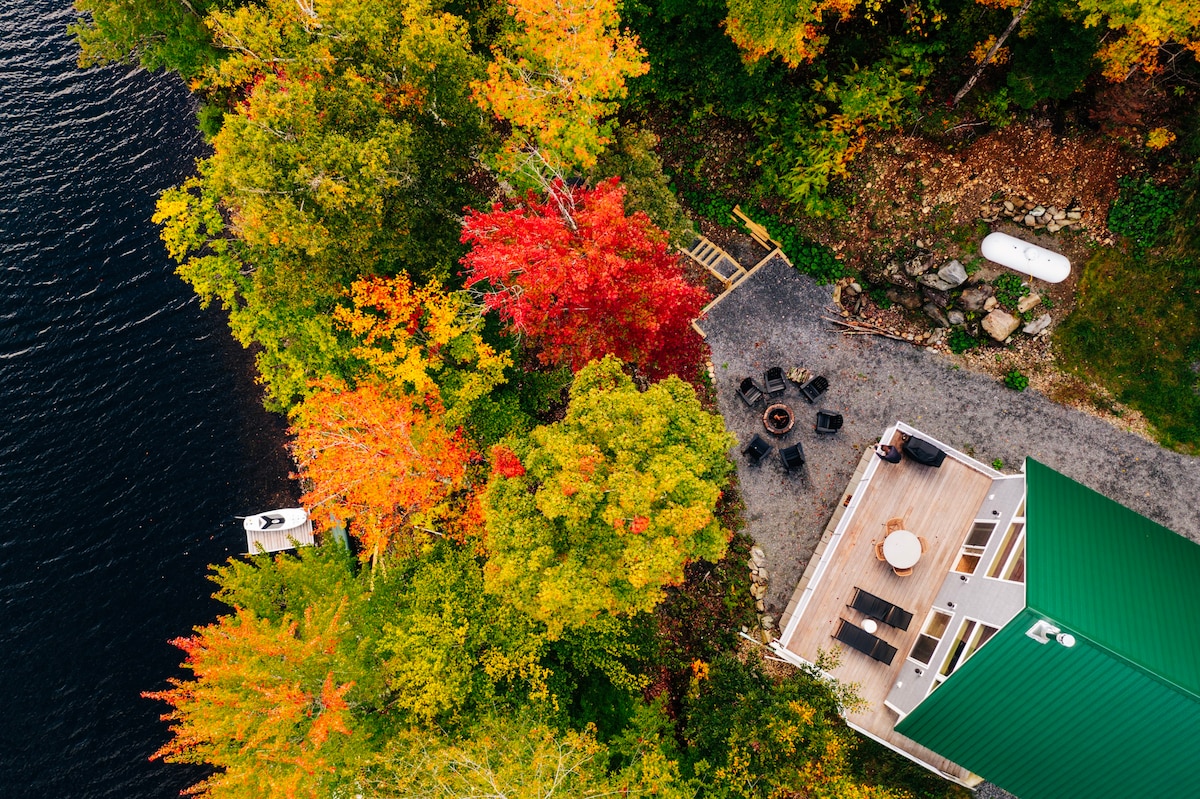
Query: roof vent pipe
x,y
1042,631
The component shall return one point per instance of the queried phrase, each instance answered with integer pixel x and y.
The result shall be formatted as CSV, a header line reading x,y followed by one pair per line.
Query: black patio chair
x,y
792,457
870,605
756,449
814,388
855,637
828,421
750,392
773,380
883,652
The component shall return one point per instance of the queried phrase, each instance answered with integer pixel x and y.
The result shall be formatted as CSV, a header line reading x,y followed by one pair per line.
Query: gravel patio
x,y
774,318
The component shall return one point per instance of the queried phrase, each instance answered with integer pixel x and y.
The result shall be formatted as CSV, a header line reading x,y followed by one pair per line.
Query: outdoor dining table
x,y
902,549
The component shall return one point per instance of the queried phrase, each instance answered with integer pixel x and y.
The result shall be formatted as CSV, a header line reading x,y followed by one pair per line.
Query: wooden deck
x,y
937,504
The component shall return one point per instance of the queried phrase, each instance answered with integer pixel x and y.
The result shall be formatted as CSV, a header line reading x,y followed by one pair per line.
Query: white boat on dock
x,y
276,530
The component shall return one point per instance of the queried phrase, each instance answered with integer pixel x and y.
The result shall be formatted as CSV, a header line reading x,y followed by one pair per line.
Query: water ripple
x,y
132,429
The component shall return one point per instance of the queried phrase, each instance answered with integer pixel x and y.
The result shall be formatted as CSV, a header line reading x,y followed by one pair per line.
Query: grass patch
x,y
1136,331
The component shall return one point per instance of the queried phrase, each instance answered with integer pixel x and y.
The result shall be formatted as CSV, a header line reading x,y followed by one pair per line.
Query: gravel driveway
x,y
774,318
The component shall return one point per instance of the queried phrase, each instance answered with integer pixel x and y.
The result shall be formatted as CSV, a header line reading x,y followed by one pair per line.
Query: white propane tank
x,y
1024,257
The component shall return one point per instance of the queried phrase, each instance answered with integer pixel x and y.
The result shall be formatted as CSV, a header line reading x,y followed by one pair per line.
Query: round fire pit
x,y
778,419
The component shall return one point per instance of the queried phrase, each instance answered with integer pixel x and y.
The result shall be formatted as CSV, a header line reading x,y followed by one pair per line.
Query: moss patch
x,y
1136,331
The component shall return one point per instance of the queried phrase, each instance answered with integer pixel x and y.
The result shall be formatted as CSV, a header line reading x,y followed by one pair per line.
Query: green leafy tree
x,y
597,513
749,737
633,159
158,34
523,756
448,648
813,143
348,156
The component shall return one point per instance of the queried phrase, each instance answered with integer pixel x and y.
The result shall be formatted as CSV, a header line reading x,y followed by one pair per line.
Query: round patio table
x,y
902,549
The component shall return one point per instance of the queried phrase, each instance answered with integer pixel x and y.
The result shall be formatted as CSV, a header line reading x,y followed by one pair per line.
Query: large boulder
x,y
919,264
935,313
1000,324
939,298
1037,325
973,299
953,274
911,301
875,274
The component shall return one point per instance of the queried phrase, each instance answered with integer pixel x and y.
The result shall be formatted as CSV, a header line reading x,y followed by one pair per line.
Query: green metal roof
x,y
1117,714
1047,722
1102,572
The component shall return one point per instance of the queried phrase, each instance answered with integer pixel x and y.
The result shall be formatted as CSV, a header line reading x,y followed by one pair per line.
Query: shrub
x,y
1010,290
998,463
959,341
1142,211
1016,381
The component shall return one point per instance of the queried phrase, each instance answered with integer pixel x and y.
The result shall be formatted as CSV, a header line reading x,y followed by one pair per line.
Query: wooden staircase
x,y
719,263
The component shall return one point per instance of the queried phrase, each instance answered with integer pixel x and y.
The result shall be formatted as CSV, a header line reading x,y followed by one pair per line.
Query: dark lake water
x,y
131,428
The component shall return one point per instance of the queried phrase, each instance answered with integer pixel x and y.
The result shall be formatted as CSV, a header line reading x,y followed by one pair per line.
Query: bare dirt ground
x,y
905,189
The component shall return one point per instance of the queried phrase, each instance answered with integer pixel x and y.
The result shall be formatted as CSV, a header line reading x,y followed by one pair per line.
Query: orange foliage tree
x,y
584,280
379,460
264,706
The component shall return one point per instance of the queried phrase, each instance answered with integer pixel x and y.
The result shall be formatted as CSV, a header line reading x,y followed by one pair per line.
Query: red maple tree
x,y
583,280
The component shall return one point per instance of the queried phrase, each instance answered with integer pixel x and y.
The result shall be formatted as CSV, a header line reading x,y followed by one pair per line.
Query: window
x,y
971,635
1009,563
981,533
972,550
931,633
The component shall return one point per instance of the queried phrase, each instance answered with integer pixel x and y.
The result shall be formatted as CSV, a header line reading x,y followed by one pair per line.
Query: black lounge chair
x,y
756,449
828,422
750,392
814,388
873,607
898,618
792,457
870,605
774,381
923,452
884,652
859,639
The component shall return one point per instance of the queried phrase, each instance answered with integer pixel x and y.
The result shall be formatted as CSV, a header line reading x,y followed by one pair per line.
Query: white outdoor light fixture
x,y
1024,257
1042,631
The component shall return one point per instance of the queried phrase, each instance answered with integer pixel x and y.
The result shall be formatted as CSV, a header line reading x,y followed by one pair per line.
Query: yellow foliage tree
x,y
425,341
1145,26
793,31
263,705
599,512
556,78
